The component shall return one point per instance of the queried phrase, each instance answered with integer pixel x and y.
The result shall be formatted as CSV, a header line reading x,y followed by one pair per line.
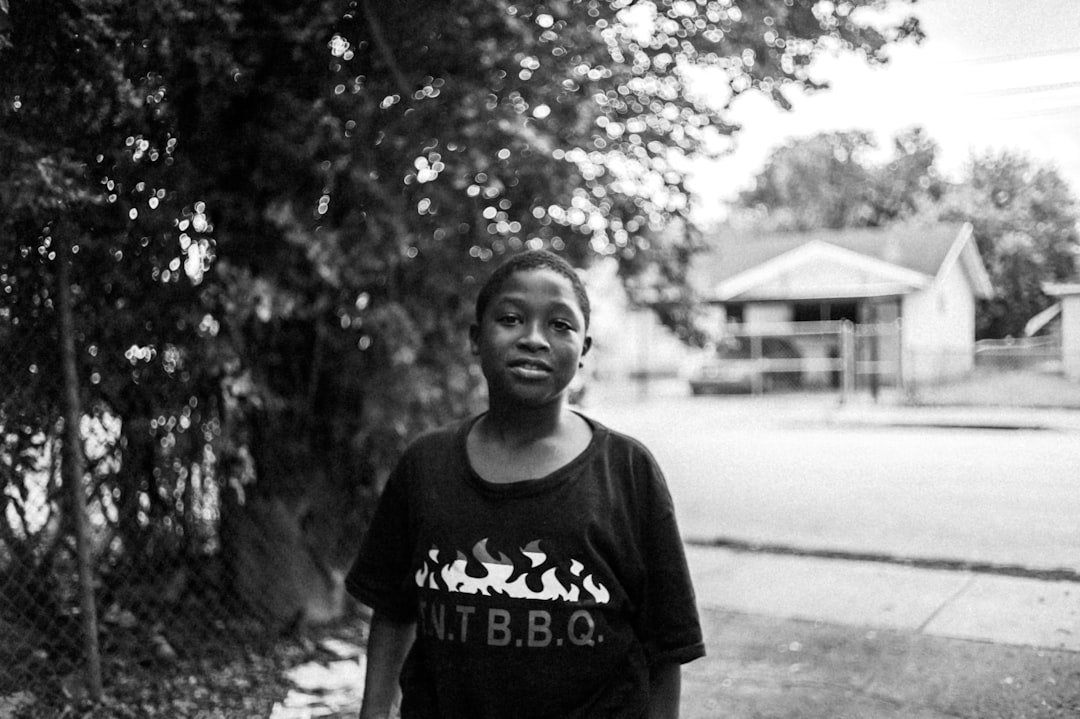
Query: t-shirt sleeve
x,y
670,626
380,574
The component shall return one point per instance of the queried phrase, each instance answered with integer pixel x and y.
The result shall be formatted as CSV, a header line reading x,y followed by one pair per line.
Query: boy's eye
x,y
562,325
507,319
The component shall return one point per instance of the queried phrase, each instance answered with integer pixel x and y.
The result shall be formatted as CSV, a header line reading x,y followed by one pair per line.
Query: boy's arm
x,y
388,644
665,688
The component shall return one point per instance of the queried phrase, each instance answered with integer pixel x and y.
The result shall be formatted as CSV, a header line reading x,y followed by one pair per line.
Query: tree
x,y
830,180
282,210
1024,218
821,181
909,182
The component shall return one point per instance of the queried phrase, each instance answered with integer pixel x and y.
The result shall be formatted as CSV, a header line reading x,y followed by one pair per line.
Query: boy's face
x,y
531,338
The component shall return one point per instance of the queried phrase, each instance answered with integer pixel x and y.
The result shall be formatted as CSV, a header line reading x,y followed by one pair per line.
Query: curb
x,y
1008,610
1005,419
1061,574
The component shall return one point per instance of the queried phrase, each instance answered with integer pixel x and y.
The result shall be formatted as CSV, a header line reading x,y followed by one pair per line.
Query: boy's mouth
x,y
530,368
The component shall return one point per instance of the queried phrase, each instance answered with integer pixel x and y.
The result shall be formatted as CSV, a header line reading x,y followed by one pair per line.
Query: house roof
x,y
870,262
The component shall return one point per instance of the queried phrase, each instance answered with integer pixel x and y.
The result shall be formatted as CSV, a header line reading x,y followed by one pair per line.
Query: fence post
x,y
757,379
874,335
847,360
74,469
901,367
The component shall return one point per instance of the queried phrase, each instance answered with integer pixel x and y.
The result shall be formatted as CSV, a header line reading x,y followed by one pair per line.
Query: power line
x,y
1018,56
1066,109
1026,89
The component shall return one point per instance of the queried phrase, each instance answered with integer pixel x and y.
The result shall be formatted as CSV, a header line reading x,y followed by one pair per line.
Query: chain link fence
x,y
854,360
37,571
172,638
1024,373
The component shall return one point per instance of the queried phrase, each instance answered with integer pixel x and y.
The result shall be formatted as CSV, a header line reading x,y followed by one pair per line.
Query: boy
x,y
526,562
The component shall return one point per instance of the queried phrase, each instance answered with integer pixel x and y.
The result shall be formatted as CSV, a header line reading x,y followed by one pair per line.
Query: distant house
x,y
1068,308
923,280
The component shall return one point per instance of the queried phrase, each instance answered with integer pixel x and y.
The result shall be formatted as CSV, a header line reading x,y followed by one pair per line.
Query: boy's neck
x,y
522,425
513,444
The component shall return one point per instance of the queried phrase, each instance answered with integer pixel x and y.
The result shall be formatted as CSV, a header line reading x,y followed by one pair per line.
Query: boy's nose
x,y
534,336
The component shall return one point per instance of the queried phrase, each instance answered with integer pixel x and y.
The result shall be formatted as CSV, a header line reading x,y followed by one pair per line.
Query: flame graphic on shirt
x,y
526,578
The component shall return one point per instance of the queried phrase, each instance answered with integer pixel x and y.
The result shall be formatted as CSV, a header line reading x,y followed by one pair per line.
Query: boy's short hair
x,y
524,262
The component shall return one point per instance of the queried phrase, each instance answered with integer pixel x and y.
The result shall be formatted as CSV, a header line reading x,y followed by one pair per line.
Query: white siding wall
x,y
767,313
939,329
626,340
1070,335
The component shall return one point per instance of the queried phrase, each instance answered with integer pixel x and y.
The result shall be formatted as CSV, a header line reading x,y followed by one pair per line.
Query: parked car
x,y
734,367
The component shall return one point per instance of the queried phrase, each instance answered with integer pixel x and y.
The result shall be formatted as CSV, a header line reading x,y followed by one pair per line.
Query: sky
x,y
991,75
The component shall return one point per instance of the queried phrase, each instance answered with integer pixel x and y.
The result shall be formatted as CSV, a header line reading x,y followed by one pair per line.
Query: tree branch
x,y
384,49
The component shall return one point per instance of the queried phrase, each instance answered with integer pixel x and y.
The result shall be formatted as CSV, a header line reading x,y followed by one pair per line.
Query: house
x,y
916,285
629,341
1068,308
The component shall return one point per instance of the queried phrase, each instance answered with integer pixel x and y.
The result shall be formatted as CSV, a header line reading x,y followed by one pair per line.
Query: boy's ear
x,y
474,338
586,345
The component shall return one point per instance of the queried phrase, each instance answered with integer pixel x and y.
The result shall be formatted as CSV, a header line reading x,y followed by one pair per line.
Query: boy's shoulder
x,y
441,438
616,436
432,452
619,441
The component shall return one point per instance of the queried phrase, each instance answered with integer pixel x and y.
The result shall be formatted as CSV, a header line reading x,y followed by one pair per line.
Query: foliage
x,y
1025,221
1024,216
83,153
381,179
281,210
831,180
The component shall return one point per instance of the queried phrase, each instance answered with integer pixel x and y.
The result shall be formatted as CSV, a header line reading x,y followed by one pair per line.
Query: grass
x,y
1002,388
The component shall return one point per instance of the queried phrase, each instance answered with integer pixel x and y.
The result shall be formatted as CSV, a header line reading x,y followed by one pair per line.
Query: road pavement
x,y
993,487
799,635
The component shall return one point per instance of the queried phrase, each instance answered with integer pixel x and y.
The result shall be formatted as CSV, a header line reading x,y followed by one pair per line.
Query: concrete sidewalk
x,y
955,604
793,637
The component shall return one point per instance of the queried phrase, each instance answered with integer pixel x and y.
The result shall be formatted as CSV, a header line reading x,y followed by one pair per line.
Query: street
x,y
767,470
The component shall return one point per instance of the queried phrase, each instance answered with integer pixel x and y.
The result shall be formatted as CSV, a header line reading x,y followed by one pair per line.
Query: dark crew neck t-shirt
x,y
547,598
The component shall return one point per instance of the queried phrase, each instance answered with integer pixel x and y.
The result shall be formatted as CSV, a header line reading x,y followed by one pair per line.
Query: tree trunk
x,y
75,470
